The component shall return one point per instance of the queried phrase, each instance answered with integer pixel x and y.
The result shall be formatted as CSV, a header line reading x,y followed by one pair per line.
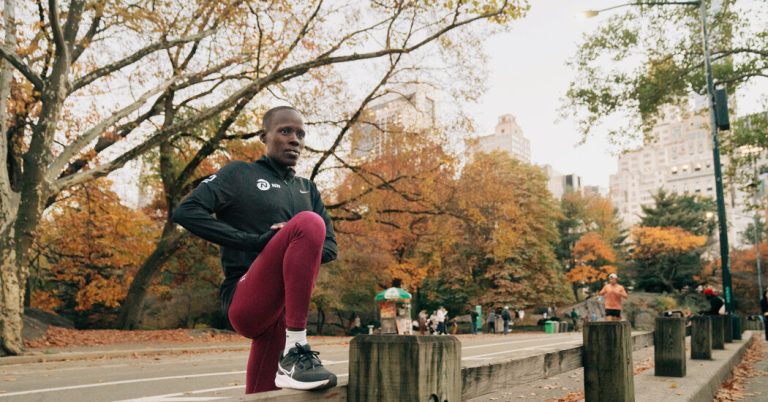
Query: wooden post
x,y
404,368
701,337
728,328
608,372
738,324
669,347
718,332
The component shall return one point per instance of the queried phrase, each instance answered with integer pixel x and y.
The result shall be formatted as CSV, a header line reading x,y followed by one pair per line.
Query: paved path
x,y
207,376
756,388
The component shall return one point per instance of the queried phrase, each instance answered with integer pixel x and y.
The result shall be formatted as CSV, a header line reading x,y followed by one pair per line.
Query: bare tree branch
x,y
84,139
249,91
140,54
58,35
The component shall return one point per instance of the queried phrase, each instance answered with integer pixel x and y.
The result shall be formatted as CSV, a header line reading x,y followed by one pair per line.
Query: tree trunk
x,y
11,297
320,320
134,301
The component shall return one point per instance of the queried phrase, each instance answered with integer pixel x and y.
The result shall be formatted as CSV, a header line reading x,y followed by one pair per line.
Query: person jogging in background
x,y
613,293
274,233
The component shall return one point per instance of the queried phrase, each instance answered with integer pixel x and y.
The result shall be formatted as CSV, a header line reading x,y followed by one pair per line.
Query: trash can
x,y
556,326
563,326
549,327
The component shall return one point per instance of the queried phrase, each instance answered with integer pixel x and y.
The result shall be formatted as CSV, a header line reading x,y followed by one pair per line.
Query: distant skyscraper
x,y
411,110
680,162
508,137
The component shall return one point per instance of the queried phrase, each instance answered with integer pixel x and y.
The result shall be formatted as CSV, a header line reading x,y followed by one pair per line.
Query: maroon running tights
x,y
275,292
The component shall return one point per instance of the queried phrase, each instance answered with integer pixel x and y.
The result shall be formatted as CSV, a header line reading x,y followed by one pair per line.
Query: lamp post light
x,y
724,257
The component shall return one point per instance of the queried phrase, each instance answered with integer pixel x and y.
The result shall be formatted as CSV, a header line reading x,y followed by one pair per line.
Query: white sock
x,y
294,337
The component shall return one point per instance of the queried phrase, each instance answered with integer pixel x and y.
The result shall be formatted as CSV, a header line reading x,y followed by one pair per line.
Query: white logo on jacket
x,y
210,179
262,185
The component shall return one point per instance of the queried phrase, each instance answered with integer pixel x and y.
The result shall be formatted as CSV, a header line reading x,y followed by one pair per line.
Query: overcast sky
x,y
528,77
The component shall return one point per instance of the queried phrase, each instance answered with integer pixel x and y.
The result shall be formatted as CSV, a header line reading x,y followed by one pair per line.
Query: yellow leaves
x,y
652,242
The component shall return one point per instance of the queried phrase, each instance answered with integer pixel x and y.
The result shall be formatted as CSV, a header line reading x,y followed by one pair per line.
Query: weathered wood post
x,y
738,324
608,372
701,337
404,368
669,347
718,332
728,328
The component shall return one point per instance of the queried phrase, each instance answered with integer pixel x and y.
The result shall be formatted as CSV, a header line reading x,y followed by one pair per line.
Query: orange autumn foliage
x,y
650,241
90,246
595,259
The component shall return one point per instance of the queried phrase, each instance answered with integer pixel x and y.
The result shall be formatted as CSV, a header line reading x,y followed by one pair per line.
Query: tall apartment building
x,y
559,184
507,137
680,162
411,110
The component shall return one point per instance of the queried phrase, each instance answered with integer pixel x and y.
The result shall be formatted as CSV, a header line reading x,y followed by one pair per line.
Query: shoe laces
x,y
308,355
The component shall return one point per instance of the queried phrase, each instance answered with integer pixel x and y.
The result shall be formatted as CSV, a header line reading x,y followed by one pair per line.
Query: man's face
x,y
285,137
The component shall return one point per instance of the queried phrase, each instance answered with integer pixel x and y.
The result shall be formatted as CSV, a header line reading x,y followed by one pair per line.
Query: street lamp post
x,y
724,257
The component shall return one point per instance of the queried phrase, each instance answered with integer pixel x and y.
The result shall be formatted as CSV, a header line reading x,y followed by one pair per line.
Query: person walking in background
x,y
613,294
506,317
423,322
473,320
764,309
575,318
274,233
521,314
491,322
441,315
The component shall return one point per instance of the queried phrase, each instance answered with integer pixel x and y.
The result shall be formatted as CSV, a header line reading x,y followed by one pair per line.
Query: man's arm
x,y
330,249
211,196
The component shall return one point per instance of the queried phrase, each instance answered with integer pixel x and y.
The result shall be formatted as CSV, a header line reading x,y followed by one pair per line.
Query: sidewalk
x,y
756,388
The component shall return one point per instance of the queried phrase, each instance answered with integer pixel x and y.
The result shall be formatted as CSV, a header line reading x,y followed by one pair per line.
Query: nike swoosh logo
x,y
286,372
304,192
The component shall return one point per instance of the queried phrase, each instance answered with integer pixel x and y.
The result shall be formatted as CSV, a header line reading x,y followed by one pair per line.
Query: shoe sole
x,y
283,381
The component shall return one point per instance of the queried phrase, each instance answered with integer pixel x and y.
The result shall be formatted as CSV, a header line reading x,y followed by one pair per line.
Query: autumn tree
x,y
88,250
504,232
141,64
665,258
685,211
584,213
648,55
745,279
388,207
594,260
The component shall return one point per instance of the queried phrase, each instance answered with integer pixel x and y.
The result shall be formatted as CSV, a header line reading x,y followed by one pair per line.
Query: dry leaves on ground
x,y
643,365
733,388
570,397
63,337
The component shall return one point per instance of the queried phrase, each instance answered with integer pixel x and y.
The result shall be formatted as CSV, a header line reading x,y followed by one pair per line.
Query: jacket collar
x,y
289,172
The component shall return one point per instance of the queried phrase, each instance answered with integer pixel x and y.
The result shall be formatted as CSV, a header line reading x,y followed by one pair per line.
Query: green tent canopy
x,y
392,294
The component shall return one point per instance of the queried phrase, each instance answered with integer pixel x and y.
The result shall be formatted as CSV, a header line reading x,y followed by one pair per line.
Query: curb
x,y
703,380
40,357
708,391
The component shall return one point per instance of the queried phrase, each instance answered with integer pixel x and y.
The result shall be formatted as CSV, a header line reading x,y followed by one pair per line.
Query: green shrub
x,y
664,303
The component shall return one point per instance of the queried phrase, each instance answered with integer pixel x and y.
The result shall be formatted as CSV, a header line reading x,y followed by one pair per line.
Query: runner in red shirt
x,y
613,293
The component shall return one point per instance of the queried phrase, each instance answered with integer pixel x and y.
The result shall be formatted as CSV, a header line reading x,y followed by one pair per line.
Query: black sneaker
x,y
302,369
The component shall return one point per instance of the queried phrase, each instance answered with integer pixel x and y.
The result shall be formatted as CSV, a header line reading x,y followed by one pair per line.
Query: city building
x,y
507,137
559,184
410,110
679,160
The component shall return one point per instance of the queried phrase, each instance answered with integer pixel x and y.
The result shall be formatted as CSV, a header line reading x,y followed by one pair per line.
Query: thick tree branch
x,y
249,91
84,139
58,35
10,55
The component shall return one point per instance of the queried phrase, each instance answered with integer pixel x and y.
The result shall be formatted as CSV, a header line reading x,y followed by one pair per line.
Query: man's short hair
x,y
267,119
